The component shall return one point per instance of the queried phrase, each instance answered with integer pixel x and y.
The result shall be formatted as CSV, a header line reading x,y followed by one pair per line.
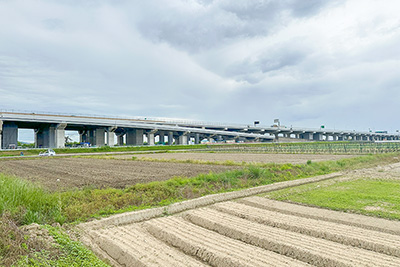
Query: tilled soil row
x,y
302,247
211,247
250,231
348,235
235,234
378,224
133,246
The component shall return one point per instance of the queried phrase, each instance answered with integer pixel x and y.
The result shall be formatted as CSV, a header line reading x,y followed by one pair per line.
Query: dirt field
x,y
118,173
81,172
240,157
251,231
251,234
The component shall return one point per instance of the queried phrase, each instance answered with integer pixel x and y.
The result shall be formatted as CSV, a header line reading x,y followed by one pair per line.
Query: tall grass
x,y
27,202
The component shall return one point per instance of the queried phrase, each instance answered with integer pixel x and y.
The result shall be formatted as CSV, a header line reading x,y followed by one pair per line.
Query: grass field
x,y
374,197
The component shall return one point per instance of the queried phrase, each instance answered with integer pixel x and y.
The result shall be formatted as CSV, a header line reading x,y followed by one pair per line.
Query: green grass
x,y
68,253
8,153
374,197
28,203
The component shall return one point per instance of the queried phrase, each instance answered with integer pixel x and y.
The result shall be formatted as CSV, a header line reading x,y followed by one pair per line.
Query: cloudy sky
x,y
306,62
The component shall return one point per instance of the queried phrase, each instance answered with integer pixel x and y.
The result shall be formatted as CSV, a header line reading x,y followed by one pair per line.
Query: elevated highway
x,y
101,130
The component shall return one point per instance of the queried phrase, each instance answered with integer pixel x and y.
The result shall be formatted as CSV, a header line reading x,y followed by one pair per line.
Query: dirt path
x,y
240,157
250,231
81,172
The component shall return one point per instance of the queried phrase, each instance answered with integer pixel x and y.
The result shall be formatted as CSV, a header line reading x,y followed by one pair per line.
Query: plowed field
x,y
81,172
251,231
240,234
240,157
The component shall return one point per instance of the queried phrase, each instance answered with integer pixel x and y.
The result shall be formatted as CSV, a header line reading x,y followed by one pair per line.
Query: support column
x,y
197,139
59,133
50,136
161,135
183,139
134,137
83,136
308,136
151,138
170,138
110,132
9,135
120,138
317,137
97,137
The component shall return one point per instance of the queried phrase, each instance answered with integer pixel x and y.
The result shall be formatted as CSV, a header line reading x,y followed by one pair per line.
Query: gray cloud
x,y
305,62
210,24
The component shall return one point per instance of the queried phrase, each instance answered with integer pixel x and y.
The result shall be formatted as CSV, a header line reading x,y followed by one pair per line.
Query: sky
x,y
305,62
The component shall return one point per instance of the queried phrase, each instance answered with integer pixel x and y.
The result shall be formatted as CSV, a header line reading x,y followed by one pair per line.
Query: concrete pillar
x,y
151,138
9,135
219,138
183,139
110,132
83,136
197,139
317,137
120,139
97,137
161,135
51,136
134,137
170,138
59,133
308,136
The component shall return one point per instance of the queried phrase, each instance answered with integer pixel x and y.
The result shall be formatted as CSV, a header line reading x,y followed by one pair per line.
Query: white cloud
x,y
306,62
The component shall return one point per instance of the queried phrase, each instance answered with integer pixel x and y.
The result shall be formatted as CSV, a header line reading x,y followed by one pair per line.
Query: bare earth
x,y
251,231
240,157
81,172
119,173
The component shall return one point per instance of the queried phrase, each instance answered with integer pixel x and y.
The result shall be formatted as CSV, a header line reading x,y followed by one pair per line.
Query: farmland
x,y
69,190
238,157
251,231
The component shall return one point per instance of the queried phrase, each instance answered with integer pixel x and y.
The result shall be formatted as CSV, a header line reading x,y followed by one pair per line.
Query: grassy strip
x,y
365,196
28,203
8,153
43,246
65,252
342,147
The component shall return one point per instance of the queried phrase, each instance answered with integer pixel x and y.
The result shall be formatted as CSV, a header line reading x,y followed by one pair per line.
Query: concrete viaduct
x,y
99,131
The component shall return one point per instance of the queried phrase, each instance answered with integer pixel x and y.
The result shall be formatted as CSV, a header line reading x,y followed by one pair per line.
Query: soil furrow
x,y
308,249
377,224
157,250
142,249
215,253
349,235
203,239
